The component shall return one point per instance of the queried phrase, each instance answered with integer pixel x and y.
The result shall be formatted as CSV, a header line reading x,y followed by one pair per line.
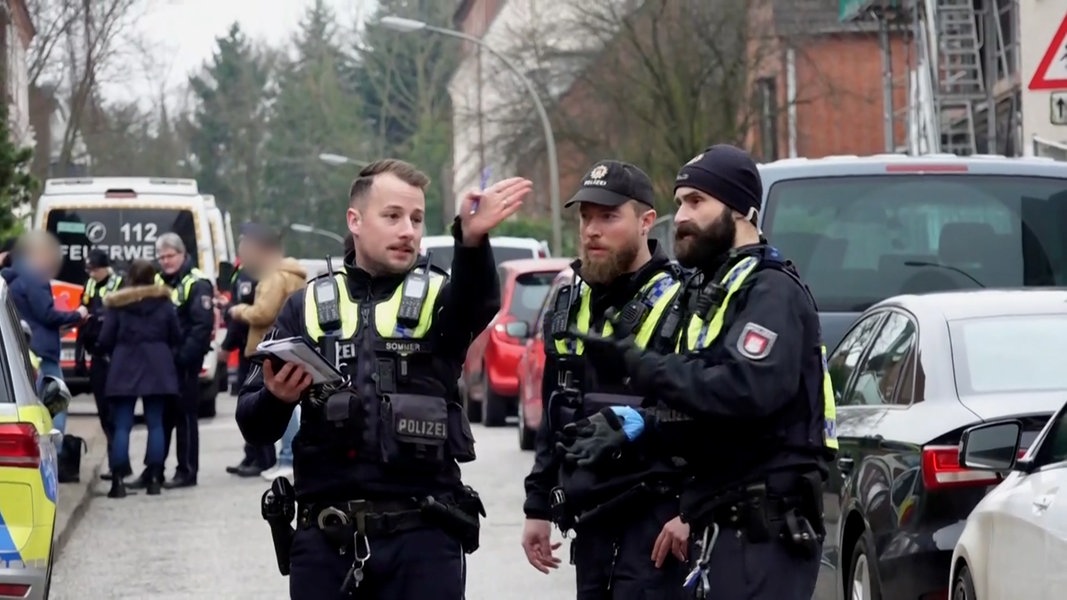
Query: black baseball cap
x,y
614,183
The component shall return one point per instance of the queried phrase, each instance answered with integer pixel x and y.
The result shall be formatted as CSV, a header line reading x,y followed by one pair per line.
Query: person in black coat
x,y
140,333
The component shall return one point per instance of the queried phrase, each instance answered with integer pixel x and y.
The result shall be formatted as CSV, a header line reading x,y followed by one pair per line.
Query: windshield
x,y
126,234
1009,354
529,295
860,239
441,256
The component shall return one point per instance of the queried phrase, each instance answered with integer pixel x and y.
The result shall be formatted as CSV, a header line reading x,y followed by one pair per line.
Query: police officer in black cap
x,y
617,510
381,511
746,401
102,280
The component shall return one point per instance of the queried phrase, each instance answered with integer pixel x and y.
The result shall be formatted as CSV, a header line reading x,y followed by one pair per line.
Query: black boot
x,y
70,460
141,482
118,488
155,481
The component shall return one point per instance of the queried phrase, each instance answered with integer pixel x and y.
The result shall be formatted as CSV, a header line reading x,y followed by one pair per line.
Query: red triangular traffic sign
x,y
1051,73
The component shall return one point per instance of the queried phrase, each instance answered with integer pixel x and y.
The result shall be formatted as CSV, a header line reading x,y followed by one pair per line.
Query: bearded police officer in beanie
x,y
381,511
617,511
746,400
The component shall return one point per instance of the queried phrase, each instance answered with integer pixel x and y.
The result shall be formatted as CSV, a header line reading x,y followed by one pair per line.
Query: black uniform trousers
x,y
180,421
614,561
415,564
263,456
98,367
740,570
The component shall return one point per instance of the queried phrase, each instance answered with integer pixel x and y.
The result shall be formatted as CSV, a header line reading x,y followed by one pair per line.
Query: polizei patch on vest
x,y
422,428
755,341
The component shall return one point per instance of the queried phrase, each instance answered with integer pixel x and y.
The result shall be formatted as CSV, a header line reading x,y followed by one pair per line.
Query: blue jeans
x,y
285,455
51,367
122,421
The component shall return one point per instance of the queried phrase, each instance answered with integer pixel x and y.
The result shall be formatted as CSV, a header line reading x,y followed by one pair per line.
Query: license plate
x,y
66,354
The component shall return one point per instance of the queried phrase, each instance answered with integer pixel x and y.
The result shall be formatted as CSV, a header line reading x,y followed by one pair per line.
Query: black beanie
x,y
728,174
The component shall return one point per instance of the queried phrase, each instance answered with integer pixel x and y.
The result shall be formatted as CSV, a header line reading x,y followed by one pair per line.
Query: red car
x,y
532,368
490,374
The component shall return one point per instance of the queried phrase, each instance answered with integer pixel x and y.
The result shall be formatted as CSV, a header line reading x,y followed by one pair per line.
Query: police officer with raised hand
x,y
382,512
746,401
617,510
194,296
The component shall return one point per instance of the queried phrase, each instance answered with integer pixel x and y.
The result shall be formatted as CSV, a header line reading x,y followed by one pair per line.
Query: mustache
x,y
686,229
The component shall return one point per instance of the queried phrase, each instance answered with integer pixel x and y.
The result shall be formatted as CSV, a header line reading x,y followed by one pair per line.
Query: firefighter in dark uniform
x,y
381,510
102,280
243,289
194,296
620,272
746,401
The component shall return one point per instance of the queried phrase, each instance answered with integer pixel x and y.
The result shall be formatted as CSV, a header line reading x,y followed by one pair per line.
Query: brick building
x,y
819,85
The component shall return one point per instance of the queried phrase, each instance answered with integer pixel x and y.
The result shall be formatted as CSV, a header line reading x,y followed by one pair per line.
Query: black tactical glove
x,y
589,441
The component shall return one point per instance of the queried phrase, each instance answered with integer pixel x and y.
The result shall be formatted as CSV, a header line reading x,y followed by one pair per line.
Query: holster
x,y
460,521
278,507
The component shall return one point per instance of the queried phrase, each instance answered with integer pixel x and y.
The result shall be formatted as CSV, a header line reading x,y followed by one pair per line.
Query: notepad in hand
x,y
299,351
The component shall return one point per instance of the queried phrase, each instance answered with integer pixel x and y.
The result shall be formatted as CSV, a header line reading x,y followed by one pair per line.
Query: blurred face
x,y
388,225
170,260
704,228
611,238
45,260
246,252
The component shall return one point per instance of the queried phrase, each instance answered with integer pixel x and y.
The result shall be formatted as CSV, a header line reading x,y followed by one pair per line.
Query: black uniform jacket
x,y
196,316
605,377
752,410
465,305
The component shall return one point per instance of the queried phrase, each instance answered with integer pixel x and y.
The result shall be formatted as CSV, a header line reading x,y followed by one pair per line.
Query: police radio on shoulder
x,y
326,303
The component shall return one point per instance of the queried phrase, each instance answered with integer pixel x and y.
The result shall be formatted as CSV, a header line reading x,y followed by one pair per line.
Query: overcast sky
x,y
181,34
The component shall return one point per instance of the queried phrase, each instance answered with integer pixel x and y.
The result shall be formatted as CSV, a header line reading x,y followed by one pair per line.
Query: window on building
x,y
767,91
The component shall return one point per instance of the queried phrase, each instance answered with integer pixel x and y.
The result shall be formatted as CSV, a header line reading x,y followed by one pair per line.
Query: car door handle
x,y
845,464
1043,502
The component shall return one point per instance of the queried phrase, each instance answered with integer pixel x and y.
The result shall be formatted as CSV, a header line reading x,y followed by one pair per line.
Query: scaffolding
x,y
962,79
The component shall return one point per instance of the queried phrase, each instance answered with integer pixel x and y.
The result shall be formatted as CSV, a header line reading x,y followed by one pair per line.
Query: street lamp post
x,y
302,228
411,26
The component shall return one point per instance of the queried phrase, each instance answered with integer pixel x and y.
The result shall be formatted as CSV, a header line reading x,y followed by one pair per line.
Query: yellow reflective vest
x,y
385,317
701,332
181,292
92,288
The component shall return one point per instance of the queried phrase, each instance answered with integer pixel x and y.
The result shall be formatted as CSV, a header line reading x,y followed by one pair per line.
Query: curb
x,y
92,465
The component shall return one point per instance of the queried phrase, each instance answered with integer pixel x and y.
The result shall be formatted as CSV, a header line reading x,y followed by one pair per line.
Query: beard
x,y
615,263
700,247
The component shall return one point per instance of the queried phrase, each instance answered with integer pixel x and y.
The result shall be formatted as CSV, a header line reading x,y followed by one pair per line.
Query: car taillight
x,y
14,590
18,446
942,470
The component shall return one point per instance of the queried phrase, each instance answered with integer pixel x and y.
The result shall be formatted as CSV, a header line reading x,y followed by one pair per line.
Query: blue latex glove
x,y
633,424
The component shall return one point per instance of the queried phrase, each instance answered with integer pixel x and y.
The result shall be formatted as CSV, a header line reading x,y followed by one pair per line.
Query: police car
x,y
124,216
28,477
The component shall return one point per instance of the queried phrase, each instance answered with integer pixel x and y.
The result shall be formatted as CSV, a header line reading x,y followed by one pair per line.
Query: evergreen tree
x,y
229,124
314,114
17,186
402,80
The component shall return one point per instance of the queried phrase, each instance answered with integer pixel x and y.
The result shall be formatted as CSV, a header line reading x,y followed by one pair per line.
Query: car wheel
x,y
208,394
526,435
864,583
963,586
494,409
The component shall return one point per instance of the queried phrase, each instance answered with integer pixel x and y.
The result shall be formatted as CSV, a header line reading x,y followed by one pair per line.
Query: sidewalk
x,y
74,497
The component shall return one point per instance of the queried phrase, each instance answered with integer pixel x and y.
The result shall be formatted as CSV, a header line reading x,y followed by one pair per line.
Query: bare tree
x,y
651,82
76,47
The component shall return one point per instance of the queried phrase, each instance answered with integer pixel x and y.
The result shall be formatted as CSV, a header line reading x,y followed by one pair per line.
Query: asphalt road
x,y
210,542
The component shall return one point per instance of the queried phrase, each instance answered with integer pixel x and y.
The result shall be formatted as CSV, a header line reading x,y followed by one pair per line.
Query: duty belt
x,y
370,518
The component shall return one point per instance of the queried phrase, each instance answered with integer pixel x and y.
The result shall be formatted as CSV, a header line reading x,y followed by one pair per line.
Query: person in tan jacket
x,y
279,276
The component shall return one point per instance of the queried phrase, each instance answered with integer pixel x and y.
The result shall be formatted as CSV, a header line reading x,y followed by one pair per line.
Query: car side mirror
x,y
519,330
991,446
226,270
26,331
54,395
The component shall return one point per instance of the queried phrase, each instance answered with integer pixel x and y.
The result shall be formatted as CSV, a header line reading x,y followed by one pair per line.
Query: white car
x,y
439,247
1014,544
